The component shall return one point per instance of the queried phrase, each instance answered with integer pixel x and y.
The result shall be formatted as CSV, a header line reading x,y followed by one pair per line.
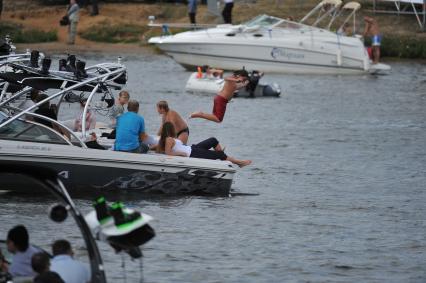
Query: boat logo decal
x,y
64,174
282,52
34,147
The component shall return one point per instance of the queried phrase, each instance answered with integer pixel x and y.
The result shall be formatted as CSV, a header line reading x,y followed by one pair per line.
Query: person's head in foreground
x,y
162,107
62,247
133,106
18,239
40,262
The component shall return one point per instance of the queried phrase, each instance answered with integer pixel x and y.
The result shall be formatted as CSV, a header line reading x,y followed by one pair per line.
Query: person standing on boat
x,y
192,11
73,16
130,129
169,115
227,11
233,83
372,30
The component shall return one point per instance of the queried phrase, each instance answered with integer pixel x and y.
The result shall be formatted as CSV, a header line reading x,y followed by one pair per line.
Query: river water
x,y
338,177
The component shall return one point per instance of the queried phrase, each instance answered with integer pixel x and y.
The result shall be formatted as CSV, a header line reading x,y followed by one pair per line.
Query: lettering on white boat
x,y
282,52
34,147
64,174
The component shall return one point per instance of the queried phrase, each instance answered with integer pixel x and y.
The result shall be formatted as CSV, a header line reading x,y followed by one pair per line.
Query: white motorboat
x,y
82,169
210,85
271,44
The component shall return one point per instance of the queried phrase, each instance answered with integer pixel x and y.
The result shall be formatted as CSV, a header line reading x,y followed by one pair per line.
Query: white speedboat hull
x,y
293,48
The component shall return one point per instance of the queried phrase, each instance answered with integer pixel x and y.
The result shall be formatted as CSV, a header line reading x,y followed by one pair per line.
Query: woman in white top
x,y
169,145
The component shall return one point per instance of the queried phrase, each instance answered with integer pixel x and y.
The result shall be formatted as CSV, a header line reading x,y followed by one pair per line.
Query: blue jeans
x,y
143,148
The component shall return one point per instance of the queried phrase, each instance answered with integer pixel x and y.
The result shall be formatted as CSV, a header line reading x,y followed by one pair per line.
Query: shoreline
x,y
57,48
111,48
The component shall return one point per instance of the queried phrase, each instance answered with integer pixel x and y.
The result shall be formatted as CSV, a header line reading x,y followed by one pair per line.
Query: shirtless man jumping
x,y
232,83
169,115
372,29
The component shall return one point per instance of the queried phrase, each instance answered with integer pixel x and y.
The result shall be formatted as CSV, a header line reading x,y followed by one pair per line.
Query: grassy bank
x,y
403,47
19,34
114,33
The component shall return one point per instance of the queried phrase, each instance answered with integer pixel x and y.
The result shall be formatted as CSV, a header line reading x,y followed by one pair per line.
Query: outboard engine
x,y
272,90
254,78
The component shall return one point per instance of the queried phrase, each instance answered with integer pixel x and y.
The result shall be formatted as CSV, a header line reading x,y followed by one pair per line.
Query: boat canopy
x,y
352,6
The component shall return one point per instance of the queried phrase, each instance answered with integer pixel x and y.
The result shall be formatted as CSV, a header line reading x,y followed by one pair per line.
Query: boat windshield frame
x,y
260,21
280,23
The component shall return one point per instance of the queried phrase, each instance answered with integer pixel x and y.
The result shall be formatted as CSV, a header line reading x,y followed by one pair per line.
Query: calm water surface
x,y
339,166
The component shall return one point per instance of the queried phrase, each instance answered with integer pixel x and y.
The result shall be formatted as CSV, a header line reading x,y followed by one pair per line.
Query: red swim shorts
x,y
219,107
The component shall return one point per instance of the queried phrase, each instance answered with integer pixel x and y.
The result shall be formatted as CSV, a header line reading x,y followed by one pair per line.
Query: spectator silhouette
x,y
40,263
69,269
18,243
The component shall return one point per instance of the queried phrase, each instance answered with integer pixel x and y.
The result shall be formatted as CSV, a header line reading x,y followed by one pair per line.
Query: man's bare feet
x,y
243,163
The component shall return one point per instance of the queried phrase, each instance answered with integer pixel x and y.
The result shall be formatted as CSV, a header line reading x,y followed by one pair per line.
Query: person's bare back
x,y
174,118
371,27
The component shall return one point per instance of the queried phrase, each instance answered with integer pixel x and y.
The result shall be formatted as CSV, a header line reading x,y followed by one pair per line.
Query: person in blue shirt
x,y
131,130
63,263
18,243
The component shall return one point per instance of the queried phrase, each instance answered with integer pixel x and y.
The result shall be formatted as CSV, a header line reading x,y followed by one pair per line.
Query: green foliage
x,y
404,47
114,33
172,11
20,35
401,46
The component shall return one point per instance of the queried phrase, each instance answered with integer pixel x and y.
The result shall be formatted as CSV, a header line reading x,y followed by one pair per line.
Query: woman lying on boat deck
x,y
169,145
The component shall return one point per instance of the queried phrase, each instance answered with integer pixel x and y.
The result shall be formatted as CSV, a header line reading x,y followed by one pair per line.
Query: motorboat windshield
x,y
263,21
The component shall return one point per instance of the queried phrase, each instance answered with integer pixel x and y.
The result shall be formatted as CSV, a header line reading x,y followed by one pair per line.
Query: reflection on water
x,y
339,167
